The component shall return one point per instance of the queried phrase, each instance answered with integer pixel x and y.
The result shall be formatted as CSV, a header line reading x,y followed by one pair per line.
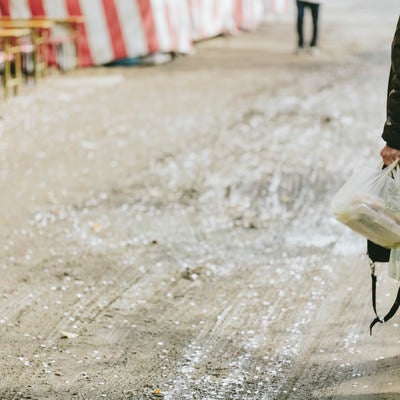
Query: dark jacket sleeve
x,y
391,130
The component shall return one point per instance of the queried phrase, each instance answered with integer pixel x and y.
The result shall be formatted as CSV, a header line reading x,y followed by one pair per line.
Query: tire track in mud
x,y
14,309
249,376
16,315
81,312
224,318
322,362
89,309
190,384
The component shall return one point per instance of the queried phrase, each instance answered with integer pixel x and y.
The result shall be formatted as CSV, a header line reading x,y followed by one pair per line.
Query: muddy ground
x,y
166,231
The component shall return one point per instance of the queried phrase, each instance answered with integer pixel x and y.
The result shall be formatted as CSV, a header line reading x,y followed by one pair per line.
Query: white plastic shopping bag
x,y
369,204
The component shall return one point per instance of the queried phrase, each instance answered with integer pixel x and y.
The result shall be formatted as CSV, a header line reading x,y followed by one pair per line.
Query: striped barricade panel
x,y
253,13
116,29
211,18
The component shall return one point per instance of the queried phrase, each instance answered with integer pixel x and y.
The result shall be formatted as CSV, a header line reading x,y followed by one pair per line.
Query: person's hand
x,y
389,155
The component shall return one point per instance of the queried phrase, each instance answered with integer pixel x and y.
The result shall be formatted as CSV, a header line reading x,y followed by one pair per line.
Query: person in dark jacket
x,y
391,130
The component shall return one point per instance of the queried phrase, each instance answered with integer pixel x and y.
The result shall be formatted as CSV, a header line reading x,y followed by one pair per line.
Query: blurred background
x,y
166,176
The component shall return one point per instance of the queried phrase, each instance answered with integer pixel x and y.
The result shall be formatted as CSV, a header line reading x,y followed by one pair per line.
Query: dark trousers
x,y
314,8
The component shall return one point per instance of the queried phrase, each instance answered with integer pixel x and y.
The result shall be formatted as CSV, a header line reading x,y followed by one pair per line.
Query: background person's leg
x,y
300,20
315,15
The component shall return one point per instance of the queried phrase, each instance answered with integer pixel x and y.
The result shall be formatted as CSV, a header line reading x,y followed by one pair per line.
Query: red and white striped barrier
x,y
118,29
210,18
253,13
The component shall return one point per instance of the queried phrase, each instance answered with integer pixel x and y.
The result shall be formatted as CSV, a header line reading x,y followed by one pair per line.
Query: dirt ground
x,y
166,232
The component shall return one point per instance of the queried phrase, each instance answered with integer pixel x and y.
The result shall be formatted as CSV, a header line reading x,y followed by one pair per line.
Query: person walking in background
x,y
314,7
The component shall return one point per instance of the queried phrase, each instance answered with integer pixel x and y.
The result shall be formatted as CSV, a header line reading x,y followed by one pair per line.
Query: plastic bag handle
x,y
389,168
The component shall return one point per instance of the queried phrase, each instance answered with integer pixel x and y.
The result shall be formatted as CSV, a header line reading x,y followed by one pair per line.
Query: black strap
x,y
392,311
374,279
